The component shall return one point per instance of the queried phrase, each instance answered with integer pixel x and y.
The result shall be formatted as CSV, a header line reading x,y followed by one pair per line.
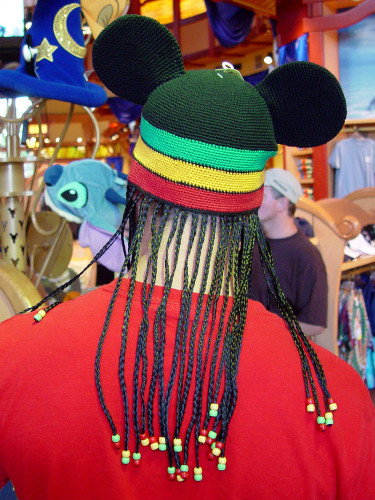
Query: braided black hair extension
x,y
132,248
213,393
194,329
227,257
301,341
234,328
187,297
244,269
177,226
144,208
183,322
207,340
147,291
215,288
184,385
100,348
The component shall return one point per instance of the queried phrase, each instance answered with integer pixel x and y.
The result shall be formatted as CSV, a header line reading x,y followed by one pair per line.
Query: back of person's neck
x,y
178,280
280,227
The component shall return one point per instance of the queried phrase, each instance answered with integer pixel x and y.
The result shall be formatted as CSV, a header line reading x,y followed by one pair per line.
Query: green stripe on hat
x,y
202,153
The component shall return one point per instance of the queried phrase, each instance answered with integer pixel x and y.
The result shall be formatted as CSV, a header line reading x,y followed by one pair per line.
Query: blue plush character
x,y
93,194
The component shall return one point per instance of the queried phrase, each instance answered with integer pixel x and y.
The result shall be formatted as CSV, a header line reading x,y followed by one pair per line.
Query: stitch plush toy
x,y
93,194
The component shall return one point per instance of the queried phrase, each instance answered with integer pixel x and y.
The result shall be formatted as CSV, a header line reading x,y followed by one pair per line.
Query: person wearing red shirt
x,y
169,382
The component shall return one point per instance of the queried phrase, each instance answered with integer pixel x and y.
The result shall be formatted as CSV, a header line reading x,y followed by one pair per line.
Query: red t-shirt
x,y
55,442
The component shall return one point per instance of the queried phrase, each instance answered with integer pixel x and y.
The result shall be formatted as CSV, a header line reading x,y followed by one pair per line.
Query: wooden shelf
x,y
365,261
359,122
305,182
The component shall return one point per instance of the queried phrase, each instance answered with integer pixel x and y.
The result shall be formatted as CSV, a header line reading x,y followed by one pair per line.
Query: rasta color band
x,y
196,175
203,153
190,196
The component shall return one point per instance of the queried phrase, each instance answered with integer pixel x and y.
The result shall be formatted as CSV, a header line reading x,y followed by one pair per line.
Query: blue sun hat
x,y
52,58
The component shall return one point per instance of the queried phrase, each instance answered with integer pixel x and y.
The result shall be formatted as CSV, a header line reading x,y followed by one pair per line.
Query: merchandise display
x,y
90,193
100,13
52,44
353,160
305,168
87,190
355,335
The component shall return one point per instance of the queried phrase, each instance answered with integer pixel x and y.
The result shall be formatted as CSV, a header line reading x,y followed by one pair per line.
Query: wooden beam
x,y
177,20
341,20
135,7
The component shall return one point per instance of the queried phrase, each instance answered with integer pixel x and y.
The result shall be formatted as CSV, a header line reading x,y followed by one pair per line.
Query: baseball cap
x,y
285,183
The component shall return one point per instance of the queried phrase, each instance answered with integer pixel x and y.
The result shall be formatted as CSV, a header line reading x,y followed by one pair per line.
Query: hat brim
x,y
13,83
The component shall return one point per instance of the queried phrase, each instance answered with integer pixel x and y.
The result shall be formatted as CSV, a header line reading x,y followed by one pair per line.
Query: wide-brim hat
x,y
52,58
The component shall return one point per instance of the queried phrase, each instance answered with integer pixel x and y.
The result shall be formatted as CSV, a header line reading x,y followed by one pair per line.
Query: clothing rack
x,y
335,221
365,265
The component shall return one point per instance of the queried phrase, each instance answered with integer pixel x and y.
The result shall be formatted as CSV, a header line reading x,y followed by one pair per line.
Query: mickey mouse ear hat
x,y
206,135
52,56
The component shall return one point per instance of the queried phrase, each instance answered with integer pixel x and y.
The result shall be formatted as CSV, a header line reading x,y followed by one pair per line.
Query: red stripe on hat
x,y
192,197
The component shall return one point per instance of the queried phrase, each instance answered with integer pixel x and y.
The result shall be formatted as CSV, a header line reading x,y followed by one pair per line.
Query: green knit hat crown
x,y
206,135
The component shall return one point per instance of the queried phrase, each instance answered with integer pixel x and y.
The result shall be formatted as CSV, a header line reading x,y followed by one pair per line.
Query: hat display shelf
x,y
16,290
35,244
30,240
12,188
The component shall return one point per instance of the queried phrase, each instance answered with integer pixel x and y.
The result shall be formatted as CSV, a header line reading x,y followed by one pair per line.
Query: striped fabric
x,y
191,197
202,153
197,175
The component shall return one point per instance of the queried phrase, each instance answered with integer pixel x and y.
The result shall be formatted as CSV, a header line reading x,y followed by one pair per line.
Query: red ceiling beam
x,y
177,20
341,20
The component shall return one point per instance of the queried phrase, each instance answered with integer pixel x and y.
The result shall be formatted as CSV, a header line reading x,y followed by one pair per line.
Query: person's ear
x,y
282,203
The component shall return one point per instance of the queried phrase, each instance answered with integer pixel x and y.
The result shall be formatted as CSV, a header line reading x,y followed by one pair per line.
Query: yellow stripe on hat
x,y
196,175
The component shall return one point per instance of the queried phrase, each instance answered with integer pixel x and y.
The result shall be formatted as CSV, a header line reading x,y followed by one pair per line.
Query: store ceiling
x,y
162,10
81,126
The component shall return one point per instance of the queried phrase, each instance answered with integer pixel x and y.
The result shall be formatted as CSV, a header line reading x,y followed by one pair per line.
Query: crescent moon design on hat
x,y
61,32
52,58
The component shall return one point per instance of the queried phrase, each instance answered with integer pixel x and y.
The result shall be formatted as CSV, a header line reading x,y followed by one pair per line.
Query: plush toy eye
x,y
73,194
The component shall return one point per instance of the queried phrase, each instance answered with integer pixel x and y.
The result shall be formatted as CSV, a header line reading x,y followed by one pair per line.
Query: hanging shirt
x,y
354,162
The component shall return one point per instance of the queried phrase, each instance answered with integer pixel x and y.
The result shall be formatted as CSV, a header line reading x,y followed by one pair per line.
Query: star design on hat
x,y
45,50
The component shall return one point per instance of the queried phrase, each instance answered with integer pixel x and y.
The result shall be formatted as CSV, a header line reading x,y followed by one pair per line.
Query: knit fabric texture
x,y
194,158
298,123
115,53
206,135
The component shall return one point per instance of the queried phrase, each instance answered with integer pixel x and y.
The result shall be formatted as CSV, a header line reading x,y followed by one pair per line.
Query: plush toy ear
x,y
135,54
306,102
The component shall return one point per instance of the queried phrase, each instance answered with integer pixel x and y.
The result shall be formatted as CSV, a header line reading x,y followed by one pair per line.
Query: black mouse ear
x,y
306,103
135,54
